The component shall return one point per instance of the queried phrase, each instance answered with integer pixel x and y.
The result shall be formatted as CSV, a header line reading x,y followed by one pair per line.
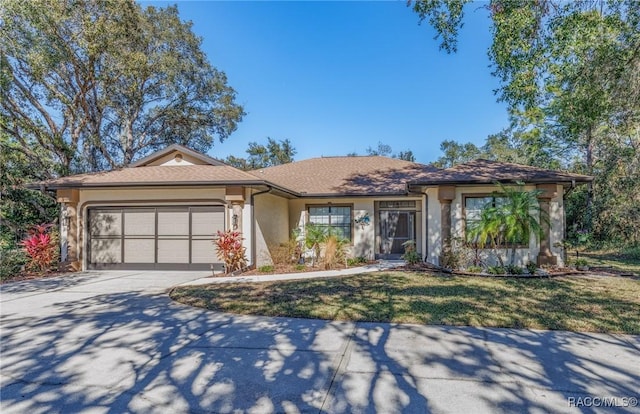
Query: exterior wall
x,y
139,197
365,241
523,255
272,225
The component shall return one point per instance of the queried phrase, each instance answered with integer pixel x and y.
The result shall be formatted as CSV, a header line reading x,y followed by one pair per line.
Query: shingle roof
x,y
485,171
360,175
365,175
157,175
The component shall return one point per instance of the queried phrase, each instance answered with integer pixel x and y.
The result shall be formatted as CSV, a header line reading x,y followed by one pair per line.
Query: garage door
x,y
177,238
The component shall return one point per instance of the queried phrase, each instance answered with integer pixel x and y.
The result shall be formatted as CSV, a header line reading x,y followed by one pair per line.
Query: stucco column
x,y
446,194
236,216
545,256
235,197
70,200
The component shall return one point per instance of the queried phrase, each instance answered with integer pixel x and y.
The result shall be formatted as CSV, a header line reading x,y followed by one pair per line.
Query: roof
x,y
482,171
325,176
158,175
359,175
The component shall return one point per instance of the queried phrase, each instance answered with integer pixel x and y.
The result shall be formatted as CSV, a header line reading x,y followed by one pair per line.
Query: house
x,y
162,212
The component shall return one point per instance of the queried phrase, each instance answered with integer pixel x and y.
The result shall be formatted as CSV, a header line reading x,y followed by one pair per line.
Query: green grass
x,y
595,304
626,260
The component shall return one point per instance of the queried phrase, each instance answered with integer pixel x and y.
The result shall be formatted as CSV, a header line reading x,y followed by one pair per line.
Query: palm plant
x,y
510,220
314,236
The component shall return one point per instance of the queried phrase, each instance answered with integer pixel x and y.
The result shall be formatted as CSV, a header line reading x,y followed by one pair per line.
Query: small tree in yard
x,y
510,221
41,246
230,250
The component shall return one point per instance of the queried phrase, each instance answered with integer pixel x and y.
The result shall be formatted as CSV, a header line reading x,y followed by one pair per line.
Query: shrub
x,y
314,237
581,262
230,250
451,257
12,262
474,269
334,251
41,247
411,255
354,261
300,267
284,253
496,270
266,269
514,270
532,267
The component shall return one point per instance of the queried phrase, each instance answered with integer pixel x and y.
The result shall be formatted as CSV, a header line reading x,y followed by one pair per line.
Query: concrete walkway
x,y
381,265
113,342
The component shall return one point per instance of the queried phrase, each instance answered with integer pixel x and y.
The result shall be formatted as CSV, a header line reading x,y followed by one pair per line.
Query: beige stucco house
x,y
162,212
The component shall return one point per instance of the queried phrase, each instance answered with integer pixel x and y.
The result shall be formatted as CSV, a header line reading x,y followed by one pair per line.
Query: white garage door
x,y
154,237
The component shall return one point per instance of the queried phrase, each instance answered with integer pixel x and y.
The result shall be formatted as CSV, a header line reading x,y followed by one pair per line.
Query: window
x,y
473,207
336,218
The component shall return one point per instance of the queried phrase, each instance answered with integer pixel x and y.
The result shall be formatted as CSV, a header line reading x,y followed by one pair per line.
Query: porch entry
x,y
397,224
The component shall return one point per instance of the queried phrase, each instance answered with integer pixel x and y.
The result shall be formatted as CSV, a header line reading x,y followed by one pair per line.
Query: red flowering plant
x,y
41,246
230,250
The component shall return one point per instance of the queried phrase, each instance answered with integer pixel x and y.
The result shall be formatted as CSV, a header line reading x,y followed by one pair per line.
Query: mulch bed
x,y
32,276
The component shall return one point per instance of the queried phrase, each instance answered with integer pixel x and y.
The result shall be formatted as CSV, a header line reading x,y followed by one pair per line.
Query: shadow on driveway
x,y
135,352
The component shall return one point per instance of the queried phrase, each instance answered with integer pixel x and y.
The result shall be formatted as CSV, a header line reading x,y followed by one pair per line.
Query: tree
x,y
385,150
262,156
382,150
94,84
455,153
568,72
406,156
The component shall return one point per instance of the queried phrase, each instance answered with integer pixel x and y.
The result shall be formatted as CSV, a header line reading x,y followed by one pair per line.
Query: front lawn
x,y
578,303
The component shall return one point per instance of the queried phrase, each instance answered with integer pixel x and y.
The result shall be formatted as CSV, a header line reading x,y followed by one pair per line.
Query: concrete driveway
x,y
112,342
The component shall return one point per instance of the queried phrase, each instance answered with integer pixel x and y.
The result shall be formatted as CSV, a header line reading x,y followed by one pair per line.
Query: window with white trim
x,y
334,218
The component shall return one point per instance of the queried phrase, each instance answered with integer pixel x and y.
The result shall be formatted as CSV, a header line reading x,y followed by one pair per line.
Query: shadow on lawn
x,y
131,352
556,304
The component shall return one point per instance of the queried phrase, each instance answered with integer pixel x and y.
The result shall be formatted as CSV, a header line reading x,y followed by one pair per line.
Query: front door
x,y
396,227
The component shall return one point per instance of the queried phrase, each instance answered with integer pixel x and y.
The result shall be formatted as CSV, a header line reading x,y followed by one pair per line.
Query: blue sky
x,y
338,77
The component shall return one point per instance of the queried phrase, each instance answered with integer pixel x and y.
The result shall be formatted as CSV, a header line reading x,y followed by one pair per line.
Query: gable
x,y
176,155
176,158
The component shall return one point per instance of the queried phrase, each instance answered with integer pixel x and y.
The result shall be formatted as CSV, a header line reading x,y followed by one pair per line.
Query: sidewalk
x,y
381,265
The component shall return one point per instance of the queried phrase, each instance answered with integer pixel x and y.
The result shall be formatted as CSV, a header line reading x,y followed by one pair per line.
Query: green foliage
x,y
383,150
261,156
266,269
451,256
300,267
474,269
514,270
12,261
511,221
355,261
20,208
496,270
581,262
568,72
531,267
411,254
455,153
406,156
94,84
